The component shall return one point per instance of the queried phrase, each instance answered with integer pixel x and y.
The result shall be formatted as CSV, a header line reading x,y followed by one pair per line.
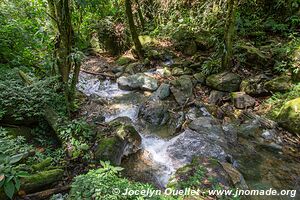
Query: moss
x,y
107,143
279,84
124,60
289,116
39,180
43,164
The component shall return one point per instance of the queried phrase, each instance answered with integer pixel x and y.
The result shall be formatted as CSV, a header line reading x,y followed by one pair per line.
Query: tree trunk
x,y
134,35
140,13
229,34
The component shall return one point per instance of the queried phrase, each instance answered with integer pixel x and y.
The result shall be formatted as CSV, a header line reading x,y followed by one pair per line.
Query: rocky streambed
x,y
159,128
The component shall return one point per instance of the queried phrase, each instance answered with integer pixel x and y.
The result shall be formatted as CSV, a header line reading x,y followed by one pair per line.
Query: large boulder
x,y
223,175
190,143
226,81
209,127
279,84
137,81
155,112
241,100
123,140
182,89
289,116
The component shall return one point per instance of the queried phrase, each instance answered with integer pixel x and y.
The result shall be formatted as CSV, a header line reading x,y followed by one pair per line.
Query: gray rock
x,y
154,112
137,81
190,143
200,77
241,100
163,91
118,69
182,89
226,81
216,97
279,84
123,140
176,71
210,127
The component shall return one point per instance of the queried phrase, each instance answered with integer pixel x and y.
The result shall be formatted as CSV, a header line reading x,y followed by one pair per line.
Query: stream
x,y
262,164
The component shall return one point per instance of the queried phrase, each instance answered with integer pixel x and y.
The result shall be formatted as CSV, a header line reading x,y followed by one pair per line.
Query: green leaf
x,y
17,183
16,158
9,189
22,174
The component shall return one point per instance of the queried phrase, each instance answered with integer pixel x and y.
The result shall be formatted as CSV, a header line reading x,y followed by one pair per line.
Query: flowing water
x,y
161,157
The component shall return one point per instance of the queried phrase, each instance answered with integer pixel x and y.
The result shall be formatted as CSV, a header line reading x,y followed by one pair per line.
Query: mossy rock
x,y
110,149
202,173
43,164
279,84
40,180
123,137
123,60
200,77
289,116
226,81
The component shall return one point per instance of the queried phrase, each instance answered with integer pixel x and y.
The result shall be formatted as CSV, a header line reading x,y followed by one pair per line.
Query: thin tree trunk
x,y
134,35
140,13
229,34
74,80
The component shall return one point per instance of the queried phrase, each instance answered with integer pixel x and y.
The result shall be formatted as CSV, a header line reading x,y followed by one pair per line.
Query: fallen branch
x,y
47,193
266,123
99,74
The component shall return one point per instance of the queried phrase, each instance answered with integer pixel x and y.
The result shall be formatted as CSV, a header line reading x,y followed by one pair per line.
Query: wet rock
x,y
137,81
209,168
154,112
141,167
196,112
289,116
210,127
200,77
226,81
231,132
163,91
255,86
123,140
250,129
182,89
279,84
216,97
190,143
241,100
235,176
